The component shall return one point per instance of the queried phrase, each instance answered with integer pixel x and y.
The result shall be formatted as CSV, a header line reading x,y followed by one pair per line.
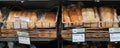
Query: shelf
x,y
92,39
109,0
32,39
25,0
80,0
93,0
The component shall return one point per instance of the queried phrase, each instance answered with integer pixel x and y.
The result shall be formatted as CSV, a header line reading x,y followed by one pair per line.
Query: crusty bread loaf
x,y
48,21
108,17
1,16
10,19
106,14
73,16
79,13
88,14
33,20
66,17
25,14
90,17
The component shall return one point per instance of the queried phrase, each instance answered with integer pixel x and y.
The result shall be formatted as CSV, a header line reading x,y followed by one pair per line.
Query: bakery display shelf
x,y
49,33
91,25
21,22
25,0
91,34
78,0
93,0
31,39
109,0
91,39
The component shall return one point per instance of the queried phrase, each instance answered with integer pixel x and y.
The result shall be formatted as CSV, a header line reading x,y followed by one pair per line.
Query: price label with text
x,y
23,37
78,37
78,30
114,37
24,40
111,30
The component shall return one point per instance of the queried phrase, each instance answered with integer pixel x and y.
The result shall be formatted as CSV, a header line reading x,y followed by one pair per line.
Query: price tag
x,y
16,25
114,30
21,21
23,37
78,30
78,37
24,40
119,18
24,25
114,37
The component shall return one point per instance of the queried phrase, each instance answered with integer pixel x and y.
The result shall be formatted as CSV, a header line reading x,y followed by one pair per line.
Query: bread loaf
x,y
25,16
106,14
88,14
33,20
66,17
90,17
108,17
79,13
48,21
10,19
1,15
73,16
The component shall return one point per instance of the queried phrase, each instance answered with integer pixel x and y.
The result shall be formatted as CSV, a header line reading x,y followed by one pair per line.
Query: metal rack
x,y
11,40
104,39
59,26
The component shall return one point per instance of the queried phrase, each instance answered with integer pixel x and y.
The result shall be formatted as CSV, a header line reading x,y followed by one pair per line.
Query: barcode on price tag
x,y
23,37
78,37
78,30
114,37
